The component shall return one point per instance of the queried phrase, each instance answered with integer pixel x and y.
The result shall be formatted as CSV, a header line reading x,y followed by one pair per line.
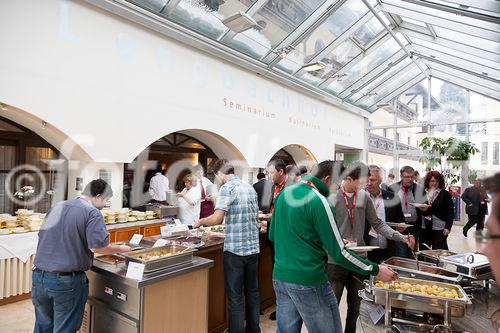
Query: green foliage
x,y
446,153
472,176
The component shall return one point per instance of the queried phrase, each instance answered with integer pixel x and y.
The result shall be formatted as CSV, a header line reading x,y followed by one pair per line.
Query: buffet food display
x,y
160,257
24,220
125,215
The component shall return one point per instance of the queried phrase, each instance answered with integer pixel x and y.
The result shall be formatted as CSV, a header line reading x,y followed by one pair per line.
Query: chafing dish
x,y
447,307
111,259
161,257
433,256
473,265
426,271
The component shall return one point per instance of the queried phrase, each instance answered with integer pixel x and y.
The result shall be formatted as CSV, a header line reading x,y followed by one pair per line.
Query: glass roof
x,y
368,51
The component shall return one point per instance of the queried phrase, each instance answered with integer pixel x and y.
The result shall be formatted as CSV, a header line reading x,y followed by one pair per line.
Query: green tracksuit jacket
x,y
304,230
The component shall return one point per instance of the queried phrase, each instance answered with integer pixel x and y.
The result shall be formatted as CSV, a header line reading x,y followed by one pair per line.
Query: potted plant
x,y
449,154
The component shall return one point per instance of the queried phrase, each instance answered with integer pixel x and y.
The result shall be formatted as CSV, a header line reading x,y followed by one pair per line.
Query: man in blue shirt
x,y
72,232
237,203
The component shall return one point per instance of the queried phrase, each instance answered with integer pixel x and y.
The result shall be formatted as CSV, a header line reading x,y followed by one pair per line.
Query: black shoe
x,y
464,231
272,316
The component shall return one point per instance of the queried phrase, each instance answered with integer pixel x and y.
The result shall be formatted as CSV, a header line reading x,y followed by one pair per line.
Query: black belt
x,y
59,273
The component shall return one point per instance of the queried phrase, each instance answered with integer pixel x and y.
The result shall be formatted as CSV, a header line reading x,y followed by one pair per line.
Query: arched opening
x,y
177,153
27,160
296,155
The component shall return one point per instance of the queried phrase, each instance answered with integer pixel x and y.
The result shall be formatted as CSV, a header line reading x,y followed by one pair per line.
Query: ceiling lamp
x,y
314,66
239,22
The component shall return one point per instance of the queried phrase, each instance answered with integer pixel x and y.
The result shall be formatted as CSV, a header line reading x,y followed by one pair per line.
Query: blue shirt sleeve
x,y
224,199
96,233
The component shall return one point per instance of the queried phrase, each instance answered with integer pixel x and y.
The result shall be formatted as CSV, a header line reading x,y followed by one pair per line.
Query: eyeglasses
x,y
485,236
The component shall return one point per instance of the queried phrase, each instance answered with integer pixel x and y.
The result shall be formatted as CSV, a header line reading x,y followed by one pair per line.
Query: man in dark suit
x,y
264,189
407,193
475,206
388,208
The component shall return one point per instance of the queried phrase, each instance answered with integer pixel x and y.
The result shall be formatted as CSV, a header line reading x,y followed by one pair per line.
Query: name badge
x,y
373,233
135,270
407,214
136,239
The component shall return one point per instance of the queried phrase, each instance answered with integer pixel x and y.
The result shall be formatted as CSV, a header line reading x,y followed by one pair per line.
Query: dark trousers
x,y
59,301
434,238
477,220
240,275
341,278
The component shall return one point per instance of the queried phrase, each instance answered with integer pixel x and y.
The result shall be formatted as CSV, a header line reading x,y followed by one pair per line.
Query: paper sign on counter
x,y
160,242
377,314
178,228
135,270
177,222
136,239
166,231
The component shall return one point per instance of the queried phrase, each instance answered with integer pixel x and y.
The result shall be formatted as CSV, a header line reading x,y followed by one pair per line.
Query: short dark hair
x,y
261,175
292,170
98,187
436,174
391,175
278,164
323,169
407,169
303,170
355,170
223,166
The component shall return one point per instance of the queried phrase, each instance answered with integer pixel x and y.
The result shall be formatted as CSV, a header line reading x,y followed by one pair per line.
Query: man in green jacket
x,y
304,230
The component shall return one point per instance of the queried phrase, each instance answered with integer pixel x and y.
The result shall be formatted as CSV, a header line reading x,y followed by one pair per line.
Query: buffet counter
x,y
482,316
213,250
172,299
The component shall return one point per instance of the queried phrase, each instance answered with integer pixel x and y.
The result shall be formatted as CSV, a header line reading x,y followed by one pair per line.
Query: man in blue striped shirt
x,y
237,203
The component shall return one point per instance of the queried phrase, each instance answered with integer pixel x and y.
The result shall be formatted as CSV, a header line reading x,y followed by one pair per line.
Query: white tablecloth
x,y
20,246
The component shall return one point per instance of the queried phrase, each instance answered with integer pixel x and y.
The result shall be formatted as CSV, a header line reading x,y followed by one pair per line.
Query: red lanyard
x,y
431,199
350,211
379,202
406,198
309,183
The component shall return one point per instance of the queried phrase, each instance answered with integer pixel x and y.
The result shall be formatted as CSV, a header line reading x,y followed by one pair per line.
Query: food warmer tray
x,y
447,307
433,256
111,259
170,255
473,265
425,271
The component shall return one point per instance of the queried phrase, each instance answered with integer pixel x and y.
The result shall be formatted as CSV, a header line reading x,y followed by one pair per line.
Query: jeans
x,y
240,274
59,301
401,249
316,306
434,238
342,278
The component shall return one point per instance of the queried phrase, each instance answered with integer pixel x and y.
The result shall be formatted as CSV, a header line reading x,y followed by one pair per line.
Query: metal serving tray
x,y
447,307
473,265
433,256
170,255
425,271
110,259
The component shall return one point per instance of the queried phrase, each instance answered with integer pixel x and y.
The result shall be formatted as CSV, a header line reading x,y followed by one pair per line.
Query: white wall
x,y
114,87
90,171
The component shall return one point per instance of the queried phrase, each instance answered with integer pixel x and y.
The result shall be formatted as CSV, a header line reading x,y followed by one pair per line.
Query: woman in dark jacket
x,y
437,222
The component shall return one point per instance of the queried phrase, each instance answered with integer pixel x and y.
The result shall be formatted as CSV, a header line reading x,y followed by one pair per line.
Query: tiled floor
x,y
19,317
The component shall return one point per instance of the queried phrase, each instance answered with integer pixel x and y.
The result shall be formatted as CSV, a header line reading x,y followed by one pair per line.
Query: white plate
x,y
363,248
419,205
399,225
